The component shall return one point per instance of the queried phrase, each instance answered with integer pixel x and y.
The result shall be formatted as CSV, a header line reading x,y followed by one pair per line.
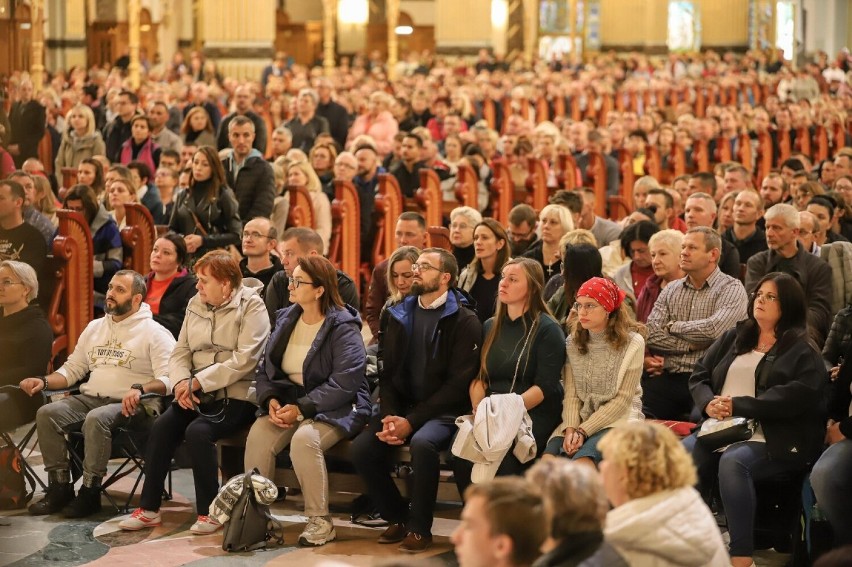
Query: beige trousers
x,y
308,442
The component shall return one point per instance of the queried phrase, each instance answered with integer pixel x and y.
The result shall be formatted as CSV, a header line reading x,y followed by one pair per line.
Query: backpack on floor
x,y
248,527
13,487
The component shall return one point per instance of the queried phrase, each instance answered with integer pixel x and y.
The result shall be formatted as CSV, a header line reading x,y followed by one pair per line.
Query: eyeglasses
x,y
769,297
254,235
519,235
424,267
7,283
578,307
460,225
295,282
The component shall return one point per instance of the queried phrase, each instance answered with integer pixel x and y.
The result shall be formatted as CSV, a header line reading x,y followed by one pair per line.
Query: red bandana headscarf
x,y
604,291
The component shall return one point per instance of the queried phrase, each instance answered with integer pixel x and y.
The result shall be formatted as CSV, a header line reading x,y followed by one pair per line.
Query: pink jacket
x,y
382,129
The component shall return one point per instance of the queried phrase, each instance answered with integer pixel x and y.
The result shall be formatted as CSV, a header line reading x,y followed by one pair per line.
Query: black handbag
x,y
715,434
248,527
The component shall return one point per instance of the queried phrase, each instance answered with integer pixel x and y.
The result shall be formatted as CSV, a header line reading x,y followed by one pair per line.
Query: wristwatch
x,y
299,416
138,387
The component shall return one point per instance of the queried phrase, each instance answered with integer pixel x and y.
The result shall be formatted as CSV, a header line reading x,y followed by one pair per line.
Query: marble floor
x,y
28,541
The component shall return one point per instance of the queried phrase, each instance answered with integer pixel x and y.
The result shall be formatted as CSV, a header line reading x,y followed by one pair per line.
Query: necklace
x,y
763,347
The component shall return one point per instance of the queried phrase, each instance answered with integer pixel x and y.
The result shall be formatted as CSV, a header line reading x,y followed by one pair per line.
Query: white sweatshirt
x,y
118,355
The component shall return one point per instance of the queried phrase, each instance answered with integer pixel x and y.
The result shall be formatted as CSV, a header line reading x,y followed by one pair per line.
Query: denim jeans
x,y
372,460
736,470
831,480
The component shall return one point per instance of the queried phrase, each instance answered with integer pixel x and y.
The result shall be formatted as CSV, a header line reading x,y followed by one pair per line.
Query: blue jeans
x,y
372,460
736,470
831,480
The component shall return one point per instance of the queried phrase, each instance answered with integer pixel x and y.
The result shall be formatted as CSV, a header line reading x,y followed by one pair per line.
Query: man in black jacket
x,y
27,122
429,348
333,112
118,131
298,242
247,173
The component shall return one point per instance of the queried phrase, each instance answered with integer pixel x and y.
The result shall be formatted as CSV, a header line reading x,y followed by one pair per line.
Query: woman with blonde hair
x,y
659,519
377,122
554,221
523,354
301,174
45,201
400,272
602,390
80,140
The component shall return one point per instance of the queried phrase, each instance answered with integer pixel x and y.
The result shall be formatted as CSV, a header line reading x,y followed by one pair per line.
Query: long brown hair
x,y
536,308
503,254
619,325
217,172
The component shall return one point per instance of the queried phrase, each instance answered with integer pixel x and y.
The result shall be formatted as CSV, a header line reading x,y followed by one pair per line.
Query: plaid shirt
x,y
686,320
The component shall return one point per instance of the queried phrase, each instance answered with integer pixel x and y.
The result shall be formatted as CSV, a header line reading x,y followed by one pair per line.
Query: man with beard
x,y
429,348
126,355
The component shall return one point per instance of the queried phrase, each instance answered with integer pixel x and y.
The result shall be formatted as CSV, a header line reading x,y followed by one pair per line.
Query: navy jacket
x,y
334,372
788,403
453,364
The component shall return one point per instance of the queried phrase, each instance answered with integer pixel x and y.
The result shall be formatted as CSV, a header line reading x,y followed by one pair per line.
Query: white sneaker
x,y
140,519
205,525
319,531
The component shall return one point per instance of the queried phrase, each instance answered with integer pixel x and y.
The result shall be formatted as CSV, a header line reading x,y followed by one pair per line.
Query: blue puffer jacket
x,y
335,389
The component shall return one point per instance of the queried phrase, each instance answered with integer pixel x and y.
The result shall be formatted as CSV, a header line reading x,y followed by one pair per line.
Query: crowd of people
x,y
556,337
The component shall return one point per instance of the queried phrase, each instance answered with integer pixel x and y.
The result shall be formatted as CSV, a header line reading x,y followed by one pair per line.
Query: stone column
x,y
66,34
392,15
238,34
37,68
329,7
530,31
133,37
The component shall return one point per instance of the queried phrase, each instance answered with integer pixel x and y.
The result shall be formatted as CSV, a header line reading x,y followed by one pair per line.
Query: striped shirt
x,y
686,320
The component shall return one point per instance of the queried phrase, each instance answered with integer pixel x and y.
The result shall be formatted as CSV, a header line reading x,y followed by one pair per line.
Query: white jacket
x,y
501,420
667,529
222,346
118,355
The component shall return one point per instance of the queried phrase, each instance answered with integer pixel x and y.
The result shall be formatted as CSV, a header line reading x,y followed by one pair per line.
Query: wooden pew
x,y
542,110
803,142
389,205
653,162
701,155
821,142
502,192
69,177
345,246
430,197
301,212
72,303
567,174
785,148
596,172
745,155
439,237
466,189
763,164
138,238
489,112
536,184
628,178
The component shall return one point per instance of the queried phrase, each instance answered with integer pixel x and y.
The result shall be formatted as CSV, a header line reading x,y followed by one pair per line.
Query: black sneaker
x,y
55,498
87,502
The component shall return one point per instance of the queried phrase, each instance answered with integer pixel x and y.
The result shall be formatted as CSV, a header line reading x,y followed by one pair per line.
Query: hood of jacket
x,y
101,218
334,316
141,315
456,297
83,142
674,526
254,153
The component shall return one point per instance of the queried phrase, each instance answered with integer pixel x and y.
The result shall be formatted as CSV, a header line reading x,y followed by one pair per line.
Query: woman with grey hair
x,y
25,342
462,222
665,261
576,507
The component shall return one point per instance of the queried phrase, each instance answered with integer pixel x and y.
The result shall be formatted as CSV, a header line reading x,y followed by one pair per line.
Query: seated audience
x,y
147,192
19,240
260,239
110,392
212,370
764,370
572,237
378,123
823,207
481,277
522,354
45,201
119,193
664,247
407,169
170,285
80,140
25,342
786,255
108,252
503,524
423,391
700,210
206,214
745,234
312,387
555,221
576,507
463,220
90,172
604,354
658,518
631,277
688,316
197,129
30,214
166,182
140,147
523,223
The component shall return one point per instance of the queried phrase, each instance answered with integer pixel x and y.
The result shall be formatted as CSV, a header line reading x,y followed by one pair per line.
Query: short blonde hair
x,y
85,111
313,183
562,212
652,457
670,238
577,236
